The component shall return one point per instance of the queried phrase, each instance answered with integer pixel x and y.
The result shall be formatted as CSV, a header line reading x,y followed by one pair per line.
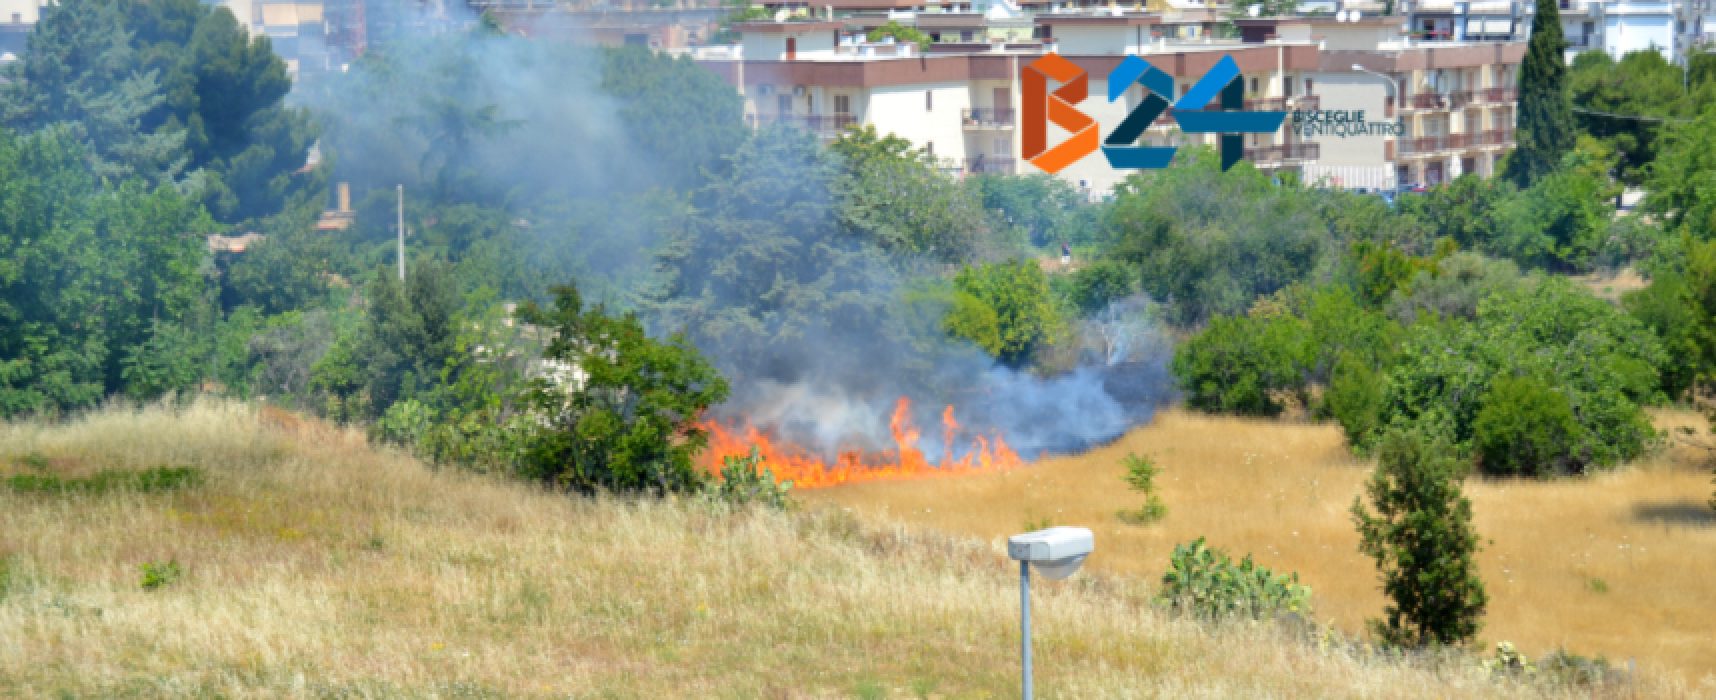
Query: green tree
x,y
1210,242
893,194
902,34
1422,539
767,263
1681,183
81,68
1017,293
1045,209
1545,131
1141,473
621,411
685,118
410,334
1680,307
91,276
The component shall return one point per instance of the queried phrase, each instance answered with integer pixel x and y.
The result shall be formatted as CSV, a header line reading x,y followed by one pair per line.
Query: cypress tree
x,y
1545,127
1422,539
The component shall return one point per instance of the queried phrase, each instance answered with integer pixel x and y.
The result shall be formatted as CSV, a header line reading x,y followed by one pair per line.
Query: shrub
x,y
1354,399
148,480
622,412
157,575
1239,364
1525,428
1603,362
1206,582
745,480
1141,477
1422,539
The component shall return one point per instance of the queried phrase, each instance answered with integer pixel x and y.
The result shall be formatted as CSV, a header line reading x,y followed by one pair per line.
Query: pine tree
x,y
1545,128
1422,539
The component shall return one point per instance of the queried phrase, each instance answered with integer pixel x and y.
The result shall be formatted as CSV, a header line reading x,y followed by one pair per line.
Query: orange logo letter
x,y
1042,107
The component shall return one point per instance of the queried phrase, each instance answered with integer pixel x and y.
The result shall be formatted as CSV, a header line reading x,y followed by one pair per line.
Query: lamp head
x,y
1056,552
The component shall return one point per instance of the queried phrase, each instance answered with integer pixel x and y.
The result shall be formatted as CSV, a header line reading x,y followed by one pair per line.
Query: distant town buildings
x,y
1369,105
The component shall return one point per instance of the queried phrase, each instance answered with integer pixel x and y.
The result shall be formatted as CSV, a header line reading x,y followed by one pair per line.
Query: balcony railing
x,y
1461,98
1457,142
1496,137
1427,100
1498,94
990,164
826,125
987,118
1422,145
1284,152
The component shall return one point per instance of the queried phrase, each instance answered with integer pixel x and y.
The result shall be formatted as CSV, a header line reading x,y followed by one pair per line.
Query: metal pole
x,y
1025,626
401,233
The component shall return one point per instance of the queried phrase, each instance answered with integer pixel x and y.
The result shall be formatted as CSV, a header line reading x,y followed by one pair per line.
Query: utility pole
x,y
401,189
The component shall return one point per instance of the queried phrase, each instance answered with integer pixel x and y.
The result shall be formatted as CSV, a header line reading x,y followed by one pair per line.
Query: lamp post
x,y
1393,85
1057,552
1393,94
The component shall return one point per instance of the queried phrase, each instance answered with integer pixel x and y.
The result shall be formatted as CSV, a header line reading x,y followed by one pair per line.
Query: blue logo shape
x,y
1223,81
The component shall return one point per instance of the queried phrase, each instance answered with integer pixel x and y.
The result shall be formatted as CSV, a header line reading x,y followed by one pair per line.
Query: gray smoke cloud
x,y
544,131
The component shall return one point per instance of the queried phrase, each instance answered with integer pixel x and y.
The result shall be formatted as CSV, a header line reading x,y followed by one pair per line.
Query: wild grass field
x,y
300,562
1616,564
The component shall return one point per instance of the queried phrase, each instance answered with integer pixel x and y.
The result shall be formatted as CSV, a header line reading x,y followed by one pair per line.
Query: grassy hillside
x,y
312,566
1614,565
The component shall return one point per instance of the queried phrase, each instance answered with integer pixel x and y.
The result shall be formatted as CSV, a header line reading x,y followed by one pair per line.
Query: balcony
x,y
982,118
991,164
1496,137
824,125
1498,95
1423,145
1457,100
1284,153
1427,100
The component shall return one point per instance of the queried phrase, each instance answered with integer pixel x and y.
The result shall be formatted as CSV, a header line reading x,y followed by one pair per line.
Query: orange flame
x,y
807,470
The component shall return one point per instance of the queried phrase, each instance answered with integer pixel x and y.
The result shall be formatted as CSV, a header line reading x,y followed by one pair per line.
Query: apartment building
x,y
1617,27
1411,112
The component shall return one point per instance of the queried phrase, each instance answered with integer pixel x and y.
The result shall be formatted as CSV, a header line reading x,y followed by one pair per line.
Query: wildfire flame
x,y
807,470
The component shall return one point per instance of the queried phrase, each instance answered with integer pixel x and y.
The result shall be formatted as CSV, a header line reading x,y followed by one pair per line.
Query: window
x,y
1307,86
929,148
1254,85
17,18
965,35
929,100
842,104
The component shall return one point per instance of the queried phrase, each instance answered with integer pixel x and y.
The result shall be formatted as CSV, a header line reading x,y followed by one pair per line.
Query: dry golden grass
x,y
318,567
1617,564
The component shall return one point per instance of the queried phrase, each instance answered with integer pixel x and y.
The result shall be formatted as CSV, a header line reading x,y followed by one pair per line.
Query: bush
x,y
1354,399
157,575
619,410
1240,364
744,480
1603,362
1422,539
1206,582
1525,428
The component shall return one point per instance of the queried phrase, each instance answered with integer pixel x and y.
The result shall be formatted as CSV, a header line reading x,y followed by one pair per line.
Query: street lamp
x,y
1057,552
1393,85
